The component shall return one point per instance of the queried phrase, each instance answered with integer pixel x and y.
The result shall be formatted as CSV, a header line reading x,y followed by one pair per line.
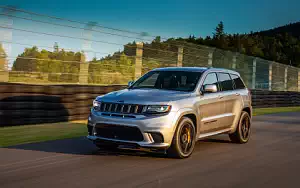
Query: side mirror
x,y
210,88
130,83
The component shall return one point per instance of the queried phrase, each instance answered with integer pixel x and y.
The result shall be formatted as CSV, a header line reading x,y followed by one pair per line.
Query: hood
x,y
144,96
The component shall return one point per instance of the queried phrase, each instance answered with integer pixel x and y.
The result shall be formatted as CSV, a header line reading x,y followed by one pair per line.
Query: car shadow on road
x,y
79,146
82,146
215,140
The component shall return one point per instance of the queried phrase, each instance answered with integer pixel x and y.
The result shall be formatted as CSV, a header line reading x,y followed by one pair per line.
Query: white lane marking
x,y
32,160
20,169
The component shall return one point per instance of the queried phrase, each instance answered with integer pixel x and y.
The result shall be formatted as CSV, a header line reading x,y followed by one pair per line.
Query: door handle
x,y
220,97
237,94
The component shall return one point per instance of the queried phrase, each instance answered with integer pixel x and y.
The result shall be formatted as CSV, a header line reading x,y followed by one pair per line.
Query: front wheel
x,y
242,133
183,142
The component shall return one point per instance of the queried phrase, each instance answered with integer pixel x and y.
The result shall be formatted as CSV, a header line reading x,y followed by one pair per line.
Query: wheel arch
x,y
245,109
193,117
248,110
190,113
174,150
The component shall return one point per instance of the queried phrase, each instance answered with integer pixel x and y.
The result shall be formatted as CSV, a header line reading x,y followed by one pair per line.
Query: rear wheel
x,y
183,142
242,133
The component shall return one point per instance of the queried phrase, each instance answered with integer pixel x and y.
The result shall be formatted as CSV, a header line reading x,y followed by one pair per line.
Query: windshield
x,y
169,80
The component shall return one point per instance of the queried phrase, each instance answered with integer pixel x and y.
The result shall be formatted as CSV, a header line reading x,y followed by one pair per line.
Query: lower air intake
x,y
119,132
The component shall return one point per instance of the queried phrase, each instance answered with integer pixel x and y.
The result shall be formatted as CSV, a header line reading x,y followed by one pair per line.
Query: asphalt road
x,y
270,159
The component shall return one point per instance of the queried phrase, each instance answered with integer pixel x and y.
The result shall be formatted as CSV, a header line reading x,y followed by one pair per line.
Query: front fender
x,y
182,112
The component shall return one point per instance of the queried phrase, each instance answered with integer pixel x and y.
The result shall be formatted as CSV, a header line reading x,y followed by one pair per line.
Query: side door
x,y
210,106
228,99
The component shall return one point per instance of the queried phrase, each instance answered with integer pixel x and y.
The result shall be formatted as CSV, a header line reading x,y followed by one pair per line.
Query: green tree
x,y
219,31
59,61
219,37
256,51
157,39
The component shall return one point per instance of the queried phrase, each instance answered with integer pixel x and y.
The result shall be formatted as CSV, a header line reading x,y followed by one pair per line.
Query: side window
x,y
225,81
238,83
211,78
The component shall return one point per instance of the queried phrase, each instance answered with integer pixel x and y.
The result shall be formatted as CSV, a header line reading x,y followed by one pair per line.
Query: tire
x,y
183,142
240,136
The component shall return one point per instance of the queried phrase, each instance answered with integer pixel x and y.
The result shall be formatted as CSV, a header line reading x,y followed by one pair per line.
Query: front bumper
x,y
128,144
148,125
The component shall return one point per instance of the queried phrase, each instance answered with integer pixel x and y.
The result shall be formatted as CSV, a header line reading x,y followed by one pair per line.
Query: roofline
x,y
197,69
222,70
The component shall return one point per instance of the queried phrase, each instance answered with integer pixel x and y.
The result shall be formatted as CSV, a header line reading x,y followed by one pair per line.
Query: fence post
x,y
234,61
6,35
298,80
285,78
180,56
83,71
4,75
210,58
254,73
138,60
270,76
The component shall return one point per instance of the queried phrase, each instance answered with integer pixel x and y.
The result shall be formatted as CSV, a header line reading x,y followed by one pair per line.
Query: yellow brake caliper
x,y
188,134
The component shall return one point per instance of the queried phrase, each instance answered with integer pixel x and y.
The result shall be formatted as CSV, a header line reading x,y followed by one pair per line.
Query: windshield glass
x,y
169,80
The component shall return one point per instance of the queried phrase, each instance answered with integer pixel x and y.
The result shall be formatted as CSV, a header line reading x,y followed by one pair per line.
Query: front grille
x,y
118,132
121,108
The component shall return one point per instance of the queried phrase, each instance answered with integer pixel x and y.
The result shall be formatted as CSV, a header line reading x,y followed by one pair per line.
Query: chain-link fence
x,y
111,56
257,73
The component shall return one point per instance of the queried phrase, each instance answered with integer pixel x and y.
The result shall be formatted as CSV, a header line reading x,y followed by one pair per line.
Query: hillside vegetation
x,y
281,44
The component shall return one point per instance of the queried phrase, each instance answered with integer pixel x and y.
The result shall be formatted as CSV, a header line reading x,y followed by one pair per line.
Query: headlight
x,y
96,105
157,109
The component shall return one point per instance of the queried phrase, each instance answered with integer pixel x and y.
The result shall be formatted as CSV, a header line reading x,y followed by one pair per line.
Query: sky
x,y
176,18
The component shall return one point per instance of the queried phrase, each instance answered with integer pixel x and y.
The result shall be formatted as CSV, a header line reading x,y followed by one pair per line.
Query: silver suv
x,y
169,109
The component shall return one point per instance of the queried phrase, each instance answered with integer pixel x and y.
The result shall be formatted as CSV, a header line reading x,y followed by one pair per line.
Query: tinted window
x,y
211,78
170,80
237,81
149,81
225,81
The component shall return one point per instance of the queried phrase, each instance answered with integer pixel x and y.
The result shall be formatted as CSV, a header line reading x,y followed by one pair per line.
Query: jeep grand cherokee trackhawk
x,y
169,109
